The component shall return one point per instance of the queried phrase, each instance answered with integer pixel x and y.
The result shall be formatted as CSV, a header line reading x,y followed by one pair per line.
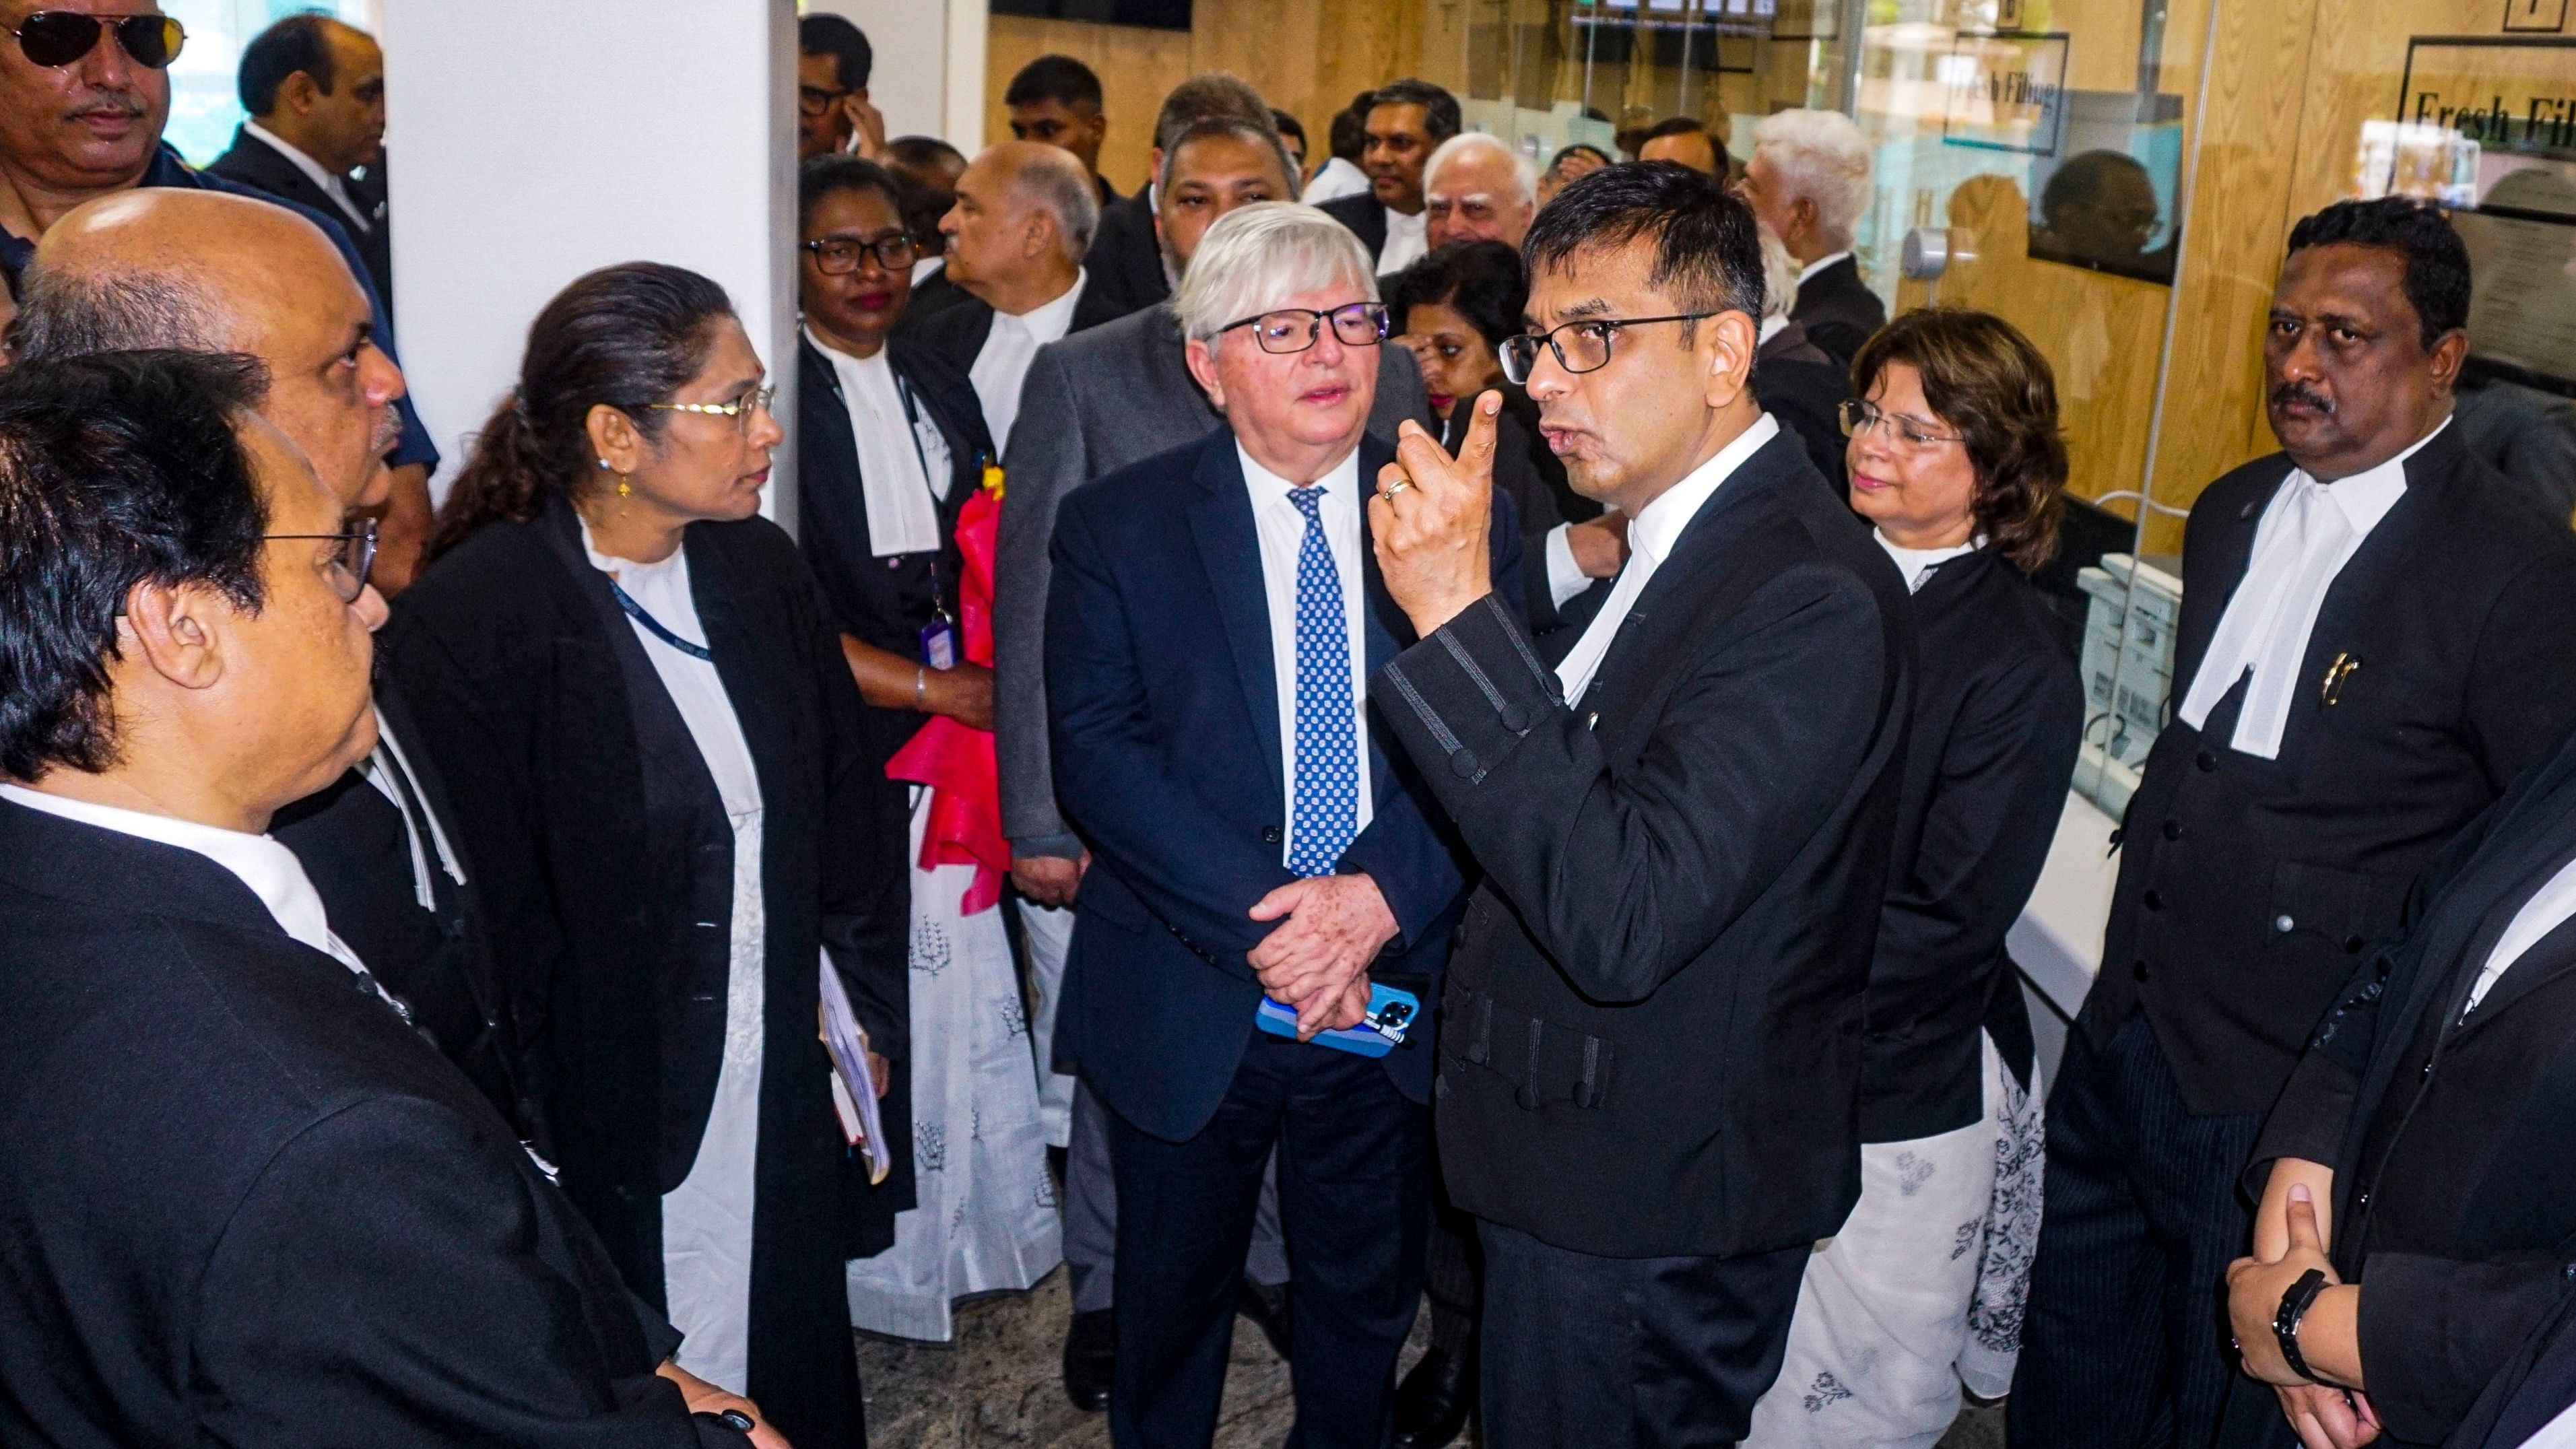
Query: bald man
x,y
209,272
1024,216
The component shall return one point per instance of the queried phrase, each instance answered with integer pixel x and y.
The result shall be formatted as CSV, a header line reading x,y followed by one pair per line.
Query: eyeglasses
x,y
740,409
54,38
1294,329
1859,417
1579,346
814,100
350,565
836,256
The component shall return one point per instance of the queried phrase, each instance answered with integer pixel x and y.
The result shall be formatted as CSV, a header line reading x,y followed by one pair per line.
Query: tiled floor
x,y
998,1385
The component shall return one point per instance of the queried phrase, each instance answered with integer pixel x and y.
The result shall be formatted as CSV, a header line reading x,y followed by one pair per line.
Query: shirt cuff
x,y
1565,578
1054,847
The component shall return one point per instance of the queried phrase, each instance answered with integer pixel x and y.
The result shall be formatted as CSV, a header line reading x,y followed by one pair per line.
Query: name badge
x,y
939,643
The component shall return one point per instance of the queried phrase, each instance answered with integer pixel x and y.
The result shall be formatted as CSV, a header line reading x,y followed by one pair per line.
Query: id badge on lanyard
x,y
939,644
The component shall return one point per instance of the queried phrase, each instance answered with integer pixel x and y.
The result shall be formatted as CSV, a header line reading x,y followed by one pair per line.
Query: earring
x,y
623,489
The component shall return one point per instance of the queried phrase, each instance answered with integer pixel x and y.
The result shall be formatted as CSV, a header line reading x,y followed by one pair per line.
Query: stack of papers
x,y
854,1092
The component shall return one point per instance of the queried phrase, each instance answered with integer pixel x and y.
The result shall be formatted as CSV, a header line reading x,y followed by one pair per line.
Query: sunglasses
x,y
54,38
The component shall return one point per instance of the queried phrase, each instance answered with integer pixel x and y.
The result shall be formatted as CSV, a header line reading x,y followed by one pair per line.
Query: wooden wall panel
x,y
1137,67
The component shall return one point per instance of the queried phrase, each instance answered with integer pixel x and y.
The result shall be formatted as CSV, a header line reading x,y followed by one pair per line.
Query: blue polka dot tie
x,y
1327,788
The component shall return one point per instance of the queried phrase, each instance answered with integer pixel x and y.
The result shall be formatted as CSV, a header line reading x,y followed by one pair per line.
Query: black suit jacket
x,y
1998,712
958,333
1365,215
1807,396
241,1203
590,812
2249,888
356,847
256,164
1652,1033
2536,1385
1164,708
930,298
2453,1139
1126,261
1839,311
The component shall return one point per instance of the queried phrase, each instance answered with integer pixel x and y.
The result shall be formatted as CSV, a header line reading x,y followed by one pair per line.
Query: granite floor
x,y
998,1385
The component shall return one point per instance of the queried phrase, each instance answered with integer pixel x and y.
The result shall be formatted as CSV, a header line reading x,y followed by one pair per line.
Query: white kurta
x,y
706,1220
986,1216
1920,1291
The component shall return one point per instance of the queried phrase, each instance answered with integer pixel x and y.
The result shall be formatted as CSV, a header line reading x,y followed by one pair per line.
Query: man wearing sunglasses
x,y
84,93
231,274
1650,1055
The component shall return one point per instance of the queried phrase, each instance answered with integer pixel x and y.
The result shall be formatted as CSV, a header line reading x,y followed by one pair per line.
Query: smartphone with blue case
x,y
1391,1013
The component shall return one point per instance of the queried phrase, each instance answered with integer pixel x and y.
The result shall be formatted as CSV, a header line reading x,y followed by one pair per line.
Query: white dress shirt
x,y
904,467
332,186
1808,272
1917,564
1651,536
1334,180
1773,324
1407,238
260,862
2309,531
1009,348
427,837
1283,532
2546,911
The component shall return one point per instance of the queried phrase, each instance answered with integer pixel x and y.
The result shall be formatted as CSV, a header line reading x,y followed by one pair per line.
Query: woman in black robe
x,y
656,756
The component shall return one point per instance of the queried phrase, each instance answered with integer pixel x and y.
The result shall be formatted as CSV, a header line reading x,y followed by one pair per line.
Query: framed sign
x,y
2005,92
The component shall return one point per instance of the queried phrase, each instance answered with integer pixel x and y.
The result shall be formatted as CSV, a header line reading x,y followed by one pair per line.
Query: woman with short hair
x,y
1956,461
653,745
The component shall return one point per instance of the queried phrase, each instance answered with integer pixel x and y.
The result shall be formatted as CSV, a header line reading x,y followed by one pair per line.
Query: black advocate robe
x,y
608,856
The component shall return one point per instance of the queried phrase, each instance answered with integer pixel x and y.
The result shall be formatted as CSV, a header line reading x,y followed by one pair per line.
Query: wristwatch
x,y
2285,1321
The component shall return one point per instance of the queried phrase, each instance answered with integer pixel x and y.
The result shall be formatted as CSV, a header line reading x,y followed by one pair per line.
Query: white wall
x,y
929,78
542,138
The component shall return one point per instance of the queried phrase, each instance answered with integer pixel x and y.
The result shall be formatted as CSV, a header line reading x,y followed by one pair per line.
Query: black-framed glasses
x,y
1580,346
1294,329
1859,415
837,256
351,563
55,38
814,100
740,409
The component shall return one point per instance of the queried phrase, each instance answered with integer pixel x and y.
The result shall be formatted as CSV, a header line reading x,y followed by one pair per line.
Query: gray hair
x,y
1241,130
1822,157
1524,171
1056,184
1779,276
1256,257
79,311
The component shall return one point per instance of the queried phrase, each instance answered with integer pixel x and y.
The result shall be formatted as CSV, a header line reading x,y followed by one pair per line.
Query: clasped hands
x,y
1317,959
1432,519
2289,1240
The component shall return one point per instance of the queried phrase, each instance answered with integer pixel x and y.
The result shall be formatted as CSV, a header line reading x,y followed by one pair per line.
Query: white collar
x,y
1340,481
840,359
313,170
1771,327
2365,497
1917,564
1658,525
268,868
1050,320
1819,264
1397,222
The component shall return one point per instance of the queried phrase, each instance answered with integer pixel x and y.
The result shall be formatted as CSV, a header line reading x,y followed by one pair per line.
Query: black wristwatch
x,y
2285,1321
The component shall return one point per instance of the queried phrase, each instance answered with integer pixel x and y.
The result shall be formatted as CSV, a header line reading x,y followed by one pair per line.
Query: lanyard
x,y
938,501
655,627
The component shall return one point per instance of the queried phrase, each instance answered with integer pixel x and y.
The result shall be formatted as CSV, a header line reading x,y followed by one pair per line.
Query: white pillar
x,y
929,78
538,139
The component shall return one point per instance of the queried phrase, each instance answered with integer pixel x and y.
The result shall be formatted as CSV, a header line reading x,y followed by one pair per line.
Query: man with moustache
x,y
1094,403
1649,1056
84,94
205,271
2372,647
1407,121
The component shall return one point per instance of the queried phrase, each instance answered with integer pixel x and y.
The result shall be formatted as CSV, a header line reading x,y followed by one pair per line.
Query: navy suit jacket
x,y
1164,713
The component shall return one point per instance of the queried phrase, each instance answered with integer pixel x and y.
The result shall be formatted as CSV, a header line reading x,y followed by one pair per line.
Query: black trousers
x,y
1352,1190
2124,1341
1453,1269
1583,1352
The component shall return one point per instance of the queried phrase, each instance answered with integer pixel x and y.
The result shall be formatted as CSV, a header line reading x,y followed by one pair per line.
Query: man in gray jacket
x,y
1093,403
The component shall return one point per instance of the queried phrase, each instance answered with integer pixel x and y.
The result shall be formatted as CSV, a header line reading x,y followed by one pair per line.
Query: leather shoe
x,y
1266,1304
1432,1403
1091,1359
